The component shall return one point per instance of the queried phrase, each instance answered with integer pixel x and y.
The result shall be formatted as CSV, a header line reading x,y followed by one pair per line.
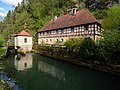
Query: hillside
x,y
36,13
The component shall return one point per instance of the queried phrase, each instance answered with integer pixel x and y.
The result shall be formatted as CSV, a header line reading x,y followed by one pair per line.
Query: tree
x,y
1,41
109,47
112,20
73,46
87,49
110,44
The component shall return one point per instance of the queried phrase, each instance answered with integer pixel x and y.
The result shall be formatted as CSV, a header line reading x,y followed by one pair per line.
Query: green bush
x,y
1,42
87,49
73,46
109,47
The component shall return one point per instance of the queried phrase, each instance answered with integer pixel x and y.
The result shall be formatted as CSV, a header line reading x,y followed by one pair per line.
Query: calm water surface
x,y
35,72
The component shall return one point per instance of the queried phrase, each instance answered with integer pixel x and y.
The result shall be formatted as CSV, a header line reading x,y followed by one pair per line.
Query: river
x,y
36,72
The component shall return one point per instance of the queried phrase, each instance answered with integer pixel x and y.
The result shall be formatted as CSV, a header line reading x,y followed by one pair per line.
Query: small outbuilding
x,y
24,41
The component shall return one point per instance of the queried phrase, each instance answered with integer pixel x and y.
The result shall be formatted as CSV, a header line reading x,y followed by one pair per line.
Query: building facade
x,y
24,41
76,24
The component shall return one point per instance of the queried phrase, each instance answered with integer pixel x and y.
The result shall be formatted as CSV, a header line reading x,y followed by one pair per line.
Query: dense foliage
x,y
112,20
81,48
1,41
36,13
109,47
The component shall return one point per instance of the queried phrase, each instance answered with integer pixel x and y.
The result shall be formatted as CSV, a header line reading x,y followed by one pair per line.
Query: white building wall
x,y
16,41
25,46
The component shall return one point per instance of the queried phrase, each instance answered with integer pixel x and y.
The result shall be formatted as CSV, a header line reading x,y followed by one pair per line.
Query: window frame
x,y
25,40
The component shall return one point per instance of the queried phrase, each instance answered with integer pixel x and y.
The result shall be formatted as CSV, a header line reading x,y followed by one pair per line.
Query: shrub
x,y
87,49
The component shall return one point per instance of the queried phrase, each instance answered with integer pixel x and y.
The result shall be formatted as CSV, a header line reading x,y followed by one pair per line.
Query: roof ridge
x,y
23,33
83,16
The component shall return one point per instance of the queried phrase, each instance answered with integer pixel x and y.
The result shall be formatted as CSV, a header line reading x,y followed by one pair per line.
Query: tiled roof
x,y
23,33
82,17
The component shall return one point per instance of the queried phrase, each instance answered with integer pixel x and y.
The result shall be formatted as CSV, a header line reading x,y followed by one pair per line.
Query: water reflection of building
x,y
23,62
51,70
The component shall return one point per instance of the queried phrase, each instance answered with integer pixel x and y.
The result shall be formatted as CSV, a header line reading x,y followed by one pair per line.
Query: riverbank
x,y
2,50
96,65
3,85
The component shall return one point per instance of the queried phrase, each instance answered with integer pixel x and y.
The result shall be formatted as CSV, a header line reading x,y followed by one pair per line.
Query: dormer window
x,y
74,11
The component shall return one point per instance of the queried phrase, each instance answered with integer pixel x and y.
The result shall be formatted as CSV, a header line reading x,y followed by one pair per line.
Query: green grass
x,y
2,50
4,86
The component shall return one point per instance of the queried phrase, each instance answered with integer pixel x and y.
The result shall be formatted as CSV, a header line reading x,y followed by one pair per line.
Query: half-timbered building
x,y
73,25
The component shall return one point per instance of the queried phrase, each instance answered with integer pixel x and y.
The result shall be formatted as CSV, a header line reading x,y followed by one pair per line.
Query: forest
x,y
36,13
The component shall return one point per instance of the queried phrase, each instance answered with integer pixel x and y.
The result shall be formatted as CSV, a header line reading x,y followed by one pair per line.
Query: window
x,y
39,34
42,41
62,31
46,40
25,40
50,40
86,27
50,32
72,28
62,40
57,40
56,31
25,64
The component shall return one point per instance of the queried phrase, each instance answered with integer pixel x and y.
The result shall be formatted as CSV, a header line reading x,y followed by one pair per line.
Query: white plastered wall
x,y
25,46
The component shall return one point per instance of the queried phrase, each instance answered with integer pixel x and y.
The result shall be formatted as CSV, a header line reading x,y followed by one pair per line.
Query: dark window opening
x,y
72,28
57,40
56,31
25,64
50,40
62,31
25,40
62,40
86,27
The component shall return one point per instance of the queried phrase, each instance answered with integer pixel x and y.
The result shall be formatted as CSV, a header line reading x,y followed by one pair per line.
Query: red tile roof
x,y
82,17
23,33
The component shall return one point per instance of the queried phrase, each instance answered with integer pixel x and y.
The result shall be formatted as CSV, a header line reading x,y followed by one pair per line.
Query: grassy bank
x,y
2,50
3,86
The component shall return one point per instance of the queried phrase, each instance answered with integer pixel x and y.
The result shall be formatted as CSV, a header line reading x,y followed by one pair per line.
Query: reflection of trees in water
x,y
51,70
9,67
